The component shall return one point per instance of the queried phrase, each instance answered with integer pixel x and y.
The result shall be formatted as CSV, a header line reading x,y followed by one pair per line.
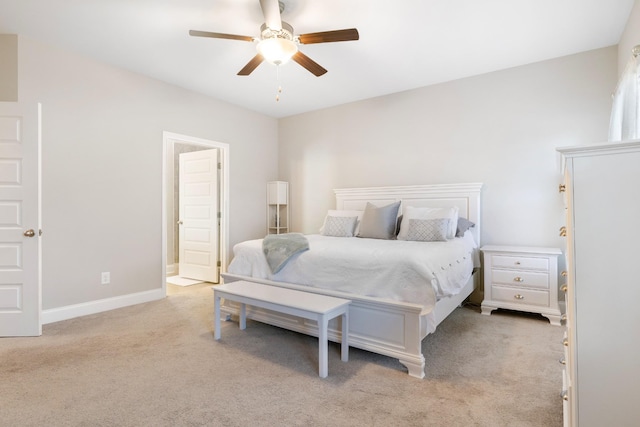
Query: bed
x,y
393,310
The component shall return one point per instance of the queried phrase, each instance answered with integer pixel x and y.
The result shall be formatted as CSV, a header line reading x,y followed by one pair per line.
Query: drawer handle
x,y
562,188
565,342
518,279
517,262
563,288
518,296
564,395
563,231
562,361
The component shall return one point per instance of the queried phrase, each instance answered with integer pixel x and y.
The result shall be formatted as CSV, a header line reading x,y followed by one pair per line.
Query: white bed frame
x,y
391,328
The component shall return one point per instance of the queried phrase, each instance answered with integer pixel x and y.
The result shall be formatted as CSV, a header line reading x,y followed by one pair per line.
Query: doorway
x,y
173,146
198,192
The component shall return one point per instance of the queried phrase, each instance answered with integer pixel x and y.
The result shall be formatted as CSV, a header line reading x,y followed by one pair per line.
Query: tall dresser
x,y
602,342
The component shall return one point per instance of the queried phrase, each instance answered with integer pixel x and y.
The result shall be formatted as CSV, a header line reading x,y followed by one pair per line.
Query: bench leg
x,y
345,337
323,359
243,316
216,316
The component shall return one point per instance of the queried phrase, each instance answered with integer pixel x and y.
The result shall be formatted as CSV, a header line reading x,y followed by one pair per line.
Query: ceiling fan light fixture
x,y
277,46
276,50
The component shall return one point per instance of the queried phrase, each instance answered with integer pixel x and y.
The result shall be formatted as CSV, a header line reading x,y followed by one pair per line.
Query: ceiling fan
x,y
277,42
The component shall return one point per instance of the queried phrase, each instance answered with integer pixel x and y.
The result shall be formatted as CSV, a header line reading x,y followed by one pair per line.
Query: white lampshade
x,y
277,50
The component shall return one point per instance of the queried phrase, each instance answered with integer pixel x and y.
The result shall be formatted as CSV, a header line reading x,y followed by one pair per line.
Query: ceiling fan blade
x,y
330,36
251,65
309,64
271,12
197,33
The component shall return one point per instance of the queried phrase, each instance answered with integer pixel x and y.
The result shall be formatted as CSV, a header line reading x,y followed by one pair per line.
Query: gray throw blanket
x,y
279,248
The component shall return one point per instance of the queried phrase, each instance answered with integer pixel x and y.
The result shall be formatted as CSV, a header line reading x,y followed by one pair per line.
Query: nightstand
x,y
522,279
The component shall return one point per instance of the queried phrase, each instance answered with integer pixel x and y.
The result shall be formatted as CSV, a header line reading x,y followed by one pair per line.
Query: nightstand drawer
x,y
525,279
520,296
520,262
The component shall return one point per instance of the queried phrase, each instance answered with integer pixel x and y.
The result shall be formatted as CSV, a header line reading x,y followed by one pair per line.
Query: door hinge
x,y
219,165
219,215
219,264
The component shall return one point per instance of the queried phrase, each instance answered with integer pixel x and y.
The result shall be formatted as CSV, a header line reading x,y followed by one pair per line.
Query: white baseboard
x,y
98,306
172,270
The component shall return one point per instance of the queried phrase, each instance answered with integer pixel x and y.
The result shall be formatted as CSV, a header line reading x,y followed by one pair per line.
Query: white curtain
x,y
625,113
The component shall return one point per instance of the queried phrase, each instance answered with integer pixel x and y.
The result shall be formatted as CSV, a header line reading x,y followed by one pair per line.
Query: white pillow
x,y
357,214
339,226
412,212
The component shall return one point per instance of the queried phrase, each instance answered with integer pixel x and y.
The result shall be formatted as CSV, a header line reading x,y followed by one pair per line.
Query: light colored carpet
x,y
157,364
182,281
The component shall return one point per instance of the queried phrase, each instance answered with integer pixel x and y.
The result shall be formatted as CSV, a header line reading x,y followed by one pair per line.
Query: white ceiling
x,y
403,44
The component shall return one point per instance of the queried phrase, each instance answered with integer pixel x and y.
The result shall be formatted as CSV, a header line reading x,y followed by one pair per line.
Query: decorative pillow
x,y
412,212
428,230
463,225
339,226
338,213
379,222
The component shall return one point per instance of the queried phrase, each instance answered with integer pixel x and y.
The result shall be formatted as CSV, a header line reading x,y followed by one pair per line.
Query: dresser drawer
x,y
565,348
525,279
564,395
520,262
520,296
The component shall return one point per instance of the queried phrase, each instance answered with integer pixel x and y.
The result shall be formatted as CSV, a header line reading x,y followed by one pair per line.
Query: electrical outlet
x,y
105,278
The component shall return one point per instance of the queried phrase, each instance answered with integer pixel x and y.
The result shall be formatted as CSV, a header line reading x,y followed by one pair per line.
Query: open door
x,y
198,240
20,280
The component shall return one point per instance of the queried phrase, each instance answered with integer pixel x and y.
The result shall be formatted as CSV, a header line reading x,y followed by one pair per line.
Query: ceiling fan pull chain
x,y
278,81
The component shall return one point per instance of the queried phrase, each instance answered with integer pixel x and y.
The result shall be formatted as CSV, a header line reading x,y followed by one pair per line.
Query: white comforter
x,y
415,272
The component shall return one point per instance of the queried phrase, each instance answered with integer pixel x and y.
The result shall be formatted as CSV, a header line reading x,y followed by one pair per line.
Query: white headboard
x,y
465,196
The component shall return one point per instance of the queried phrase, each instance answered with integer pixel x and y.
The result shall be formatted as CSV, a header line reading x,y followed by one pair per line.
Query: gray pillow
x,y
428,230
379,222
463,225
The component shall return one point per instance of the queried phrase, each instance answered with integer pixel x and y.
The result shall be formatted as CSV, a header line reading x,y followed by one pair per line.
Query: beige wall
x,y
8,68
630,37
102,162
500,129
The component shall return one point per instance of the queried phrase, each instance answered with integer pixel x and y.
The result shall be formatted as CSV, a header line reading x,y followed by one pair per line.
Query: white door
x,y
20,300
198,211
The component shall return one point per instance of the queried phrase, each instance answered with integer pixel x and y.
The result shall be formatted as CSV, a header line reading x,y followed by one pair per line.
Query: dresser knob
x,y
517,262
563,317
562,361
565,342
518,296
563,231
563,288
562,188
564,395
564,273
518,279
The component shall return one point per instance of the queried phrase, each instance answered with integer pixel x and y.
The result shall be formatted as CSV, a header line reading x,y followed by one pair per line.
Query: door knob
x,y
29,233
